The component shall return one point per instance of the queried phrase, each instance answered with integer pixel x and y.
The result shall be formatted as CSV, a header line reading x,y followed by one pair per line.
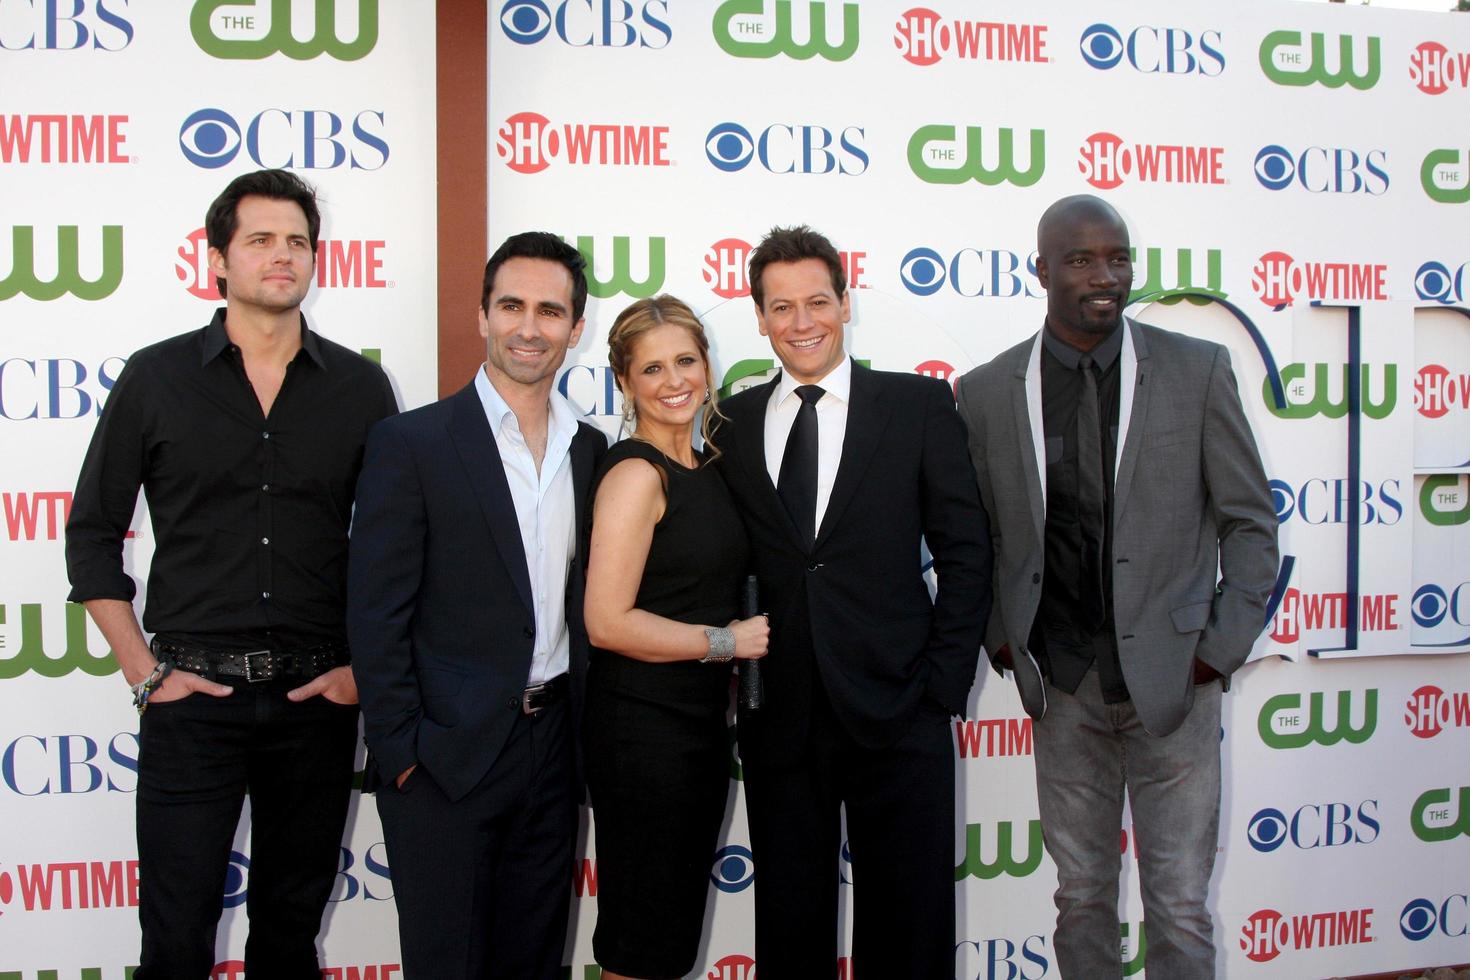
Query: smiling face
x,y
528,325
667,378
803,317
269,261
1084,263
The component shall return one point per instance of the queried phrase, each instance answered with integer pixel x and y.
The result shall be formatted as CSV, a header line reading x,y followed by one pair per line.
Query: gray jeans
x,y
1087,753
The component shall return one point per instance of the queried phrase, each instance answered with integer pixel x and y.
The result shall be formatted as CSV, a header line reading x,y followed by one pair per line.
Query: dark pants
x,y
900,827
198,759
483,883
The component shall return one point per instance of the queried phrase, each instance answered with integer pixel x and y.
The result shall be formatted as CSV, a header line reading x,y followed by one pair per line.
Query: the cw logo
x,y
746,38
621,279
1445,178
1153,289
1434,805
278,37
1133,953
1281,725
1005,861
1281,61
934,157
1298,406
68,279
32,653
1443,501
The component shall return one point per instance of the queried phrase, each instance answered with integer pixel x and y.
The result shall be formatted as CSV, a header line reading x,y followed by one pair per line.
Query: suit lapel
x,y
581,484
750,444
1026,404
1132,411
867,416
470,432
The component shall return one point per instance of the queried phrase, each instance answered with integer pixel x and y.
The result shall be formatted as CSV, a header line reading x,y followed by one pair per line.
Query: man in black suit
x,y
840,473
465,617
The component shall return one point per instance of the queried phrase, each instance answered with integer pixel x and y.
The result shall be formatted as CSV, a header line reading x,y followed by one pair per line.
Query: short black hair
x,y
792,245
223,218
539,245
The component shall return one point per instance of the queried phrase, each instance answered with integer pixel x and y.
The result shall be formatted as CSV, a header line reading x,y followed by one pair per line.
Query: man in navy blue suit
x,y
465,617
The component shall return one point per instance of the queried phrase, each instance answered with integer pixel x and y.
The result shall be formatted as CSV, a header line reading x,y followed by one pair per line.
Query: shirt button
x,y
265,488
265,435
265,540
813,566
265,595
1035,578
529,632
512,702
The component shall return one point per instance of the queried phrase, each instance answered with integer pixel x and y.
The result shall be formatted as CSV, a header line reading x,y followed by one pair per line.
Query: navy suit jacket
x,y
439,612
880,642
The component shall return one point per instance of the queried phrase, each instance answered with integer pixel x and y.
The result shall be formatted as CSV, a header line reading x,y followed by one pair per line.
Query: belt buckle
x,y
254,674
528,695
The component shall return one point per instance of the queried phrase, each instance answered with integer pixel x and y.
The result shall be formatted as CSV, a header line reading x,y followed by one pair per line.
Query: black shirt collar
x,y
216,340
1103,355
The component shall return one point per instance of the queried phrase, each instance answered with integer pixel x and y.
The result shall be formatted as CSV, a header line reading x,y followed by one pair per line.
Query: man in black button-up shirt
x,y
246,437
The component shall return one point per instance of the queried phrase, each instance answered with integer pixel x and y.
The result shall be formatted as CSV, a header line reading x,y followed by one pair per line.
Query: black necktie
x,y
798,481
1091,493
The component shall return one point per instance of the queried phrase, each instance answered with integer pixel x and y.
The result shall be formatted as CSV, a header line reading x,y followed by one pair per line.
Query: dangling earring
x,y
706,396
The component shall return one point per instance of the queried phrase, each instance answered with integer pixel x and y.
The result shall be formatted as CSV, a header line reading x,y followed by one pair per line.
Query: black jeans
x,y
198,759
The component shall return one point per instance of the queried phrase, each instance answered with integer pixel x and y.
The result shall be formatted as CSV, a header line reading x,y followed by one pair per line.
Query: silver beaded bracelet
x,y
721,645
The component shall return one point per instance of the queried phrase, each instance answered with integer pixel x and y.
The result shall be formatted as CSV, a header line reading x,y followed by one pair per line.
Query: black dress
x,y
656,745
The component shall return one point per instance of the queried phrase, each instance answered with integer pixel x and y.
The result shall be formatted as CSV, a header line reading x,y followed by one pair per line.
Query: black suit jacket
x,y
881,645
439,612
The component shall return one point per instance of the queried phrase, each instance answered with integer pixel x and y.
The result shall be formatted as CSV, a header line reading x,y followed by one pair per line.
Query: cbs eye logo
x,y
525,21
734,868
209,138
236,877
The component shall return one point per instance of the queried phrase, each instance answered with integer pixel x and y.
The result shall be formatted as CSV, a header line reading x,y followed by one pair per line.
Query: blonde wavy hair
x,y
638,319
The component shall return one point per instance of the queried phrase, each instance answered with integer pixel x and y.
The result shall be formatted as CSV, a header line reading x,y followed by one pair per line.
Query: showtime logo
x,y
584,878
939,371
69,885
1328,611
38,515
63,139
339,264
923,38
1278,279
1268,933
528,142
1429,711
1437,391
1434,69
725,263
990,737
1105,161
736,966
235,970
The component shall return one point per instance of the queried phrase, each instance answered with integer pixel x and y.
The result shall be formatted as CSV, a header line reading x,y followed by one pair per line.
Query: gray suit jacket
x,y
1194,529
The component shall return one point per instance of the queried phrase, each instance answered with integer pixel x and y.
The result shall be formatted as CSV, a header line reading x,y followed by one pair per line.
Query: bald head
x,y
1083,261
1062,219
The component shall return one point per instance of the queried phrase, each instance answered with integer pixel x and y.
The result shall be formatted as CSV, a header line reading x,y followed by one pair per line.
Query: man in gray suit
x,y
1135,547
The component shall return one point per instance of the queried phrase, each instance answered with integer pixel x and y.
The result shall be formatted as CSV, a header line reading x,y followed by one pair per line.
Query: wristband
x,y
721,645
145,688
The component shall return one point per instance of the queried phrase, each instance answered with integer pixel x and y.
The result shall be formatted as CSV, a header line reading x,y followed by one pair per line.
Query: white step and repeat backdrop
x,y
1300,171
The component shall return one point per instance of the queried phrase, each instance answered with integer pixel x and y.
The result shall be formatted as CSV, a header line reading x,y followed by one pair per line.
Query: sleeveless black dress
x,y
656,745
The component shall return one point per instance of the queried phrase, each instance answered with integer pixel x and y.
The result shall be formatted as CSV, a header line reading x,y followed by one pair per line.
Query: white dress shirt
x,y
831,427
546,513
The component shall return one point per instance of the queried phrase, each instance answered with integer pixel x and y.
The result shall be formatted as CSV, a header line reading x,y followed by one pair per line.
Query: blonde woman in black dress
x,y
667,559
